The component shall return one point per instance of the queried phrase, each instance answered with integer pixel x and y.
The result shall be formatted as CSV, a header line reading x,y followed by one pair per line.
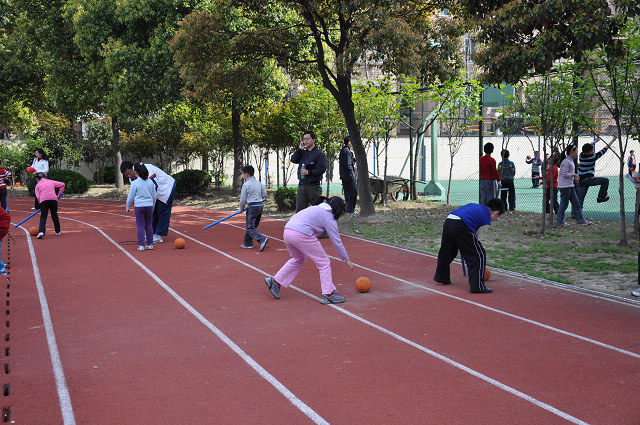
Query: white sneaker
x,y
58,234
150,247
40,235
157,239
636,293
141,248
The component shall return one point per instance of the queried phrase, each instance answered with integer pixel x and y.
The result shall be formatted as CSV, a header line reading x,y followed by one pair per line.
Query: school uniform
x,y
459,233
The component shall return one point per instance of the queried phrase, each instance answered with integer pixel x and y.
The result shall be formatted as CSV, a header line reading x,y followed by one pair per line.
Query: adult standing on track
x,y
40,164
300,237
460,233
311,166
348,175
48,200
166,189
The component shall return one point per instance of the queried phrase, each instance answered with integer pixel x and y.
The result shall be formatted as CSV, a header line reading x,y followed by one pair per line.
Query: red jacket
x,y
488,170
5,222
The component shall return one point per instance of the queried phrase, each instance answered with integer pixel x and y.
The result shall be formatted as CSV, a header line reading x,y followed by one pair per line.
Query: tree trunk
x,y
117,153
237,150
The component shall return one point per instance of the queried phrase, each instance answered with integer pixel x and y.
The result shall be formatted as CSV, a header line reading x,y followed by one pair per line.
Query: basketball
x,y
179,243
487,273
363,284
33,231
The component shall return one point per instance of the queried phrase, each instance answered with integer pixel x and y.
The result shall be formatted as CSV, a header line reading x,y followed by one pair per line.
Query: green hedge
x,y
74,182
285,198
191,182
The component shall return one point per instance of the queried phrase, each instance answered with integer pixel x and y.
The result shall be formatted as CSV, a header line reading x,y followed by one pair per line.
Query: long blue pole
x,y
61,195
228,217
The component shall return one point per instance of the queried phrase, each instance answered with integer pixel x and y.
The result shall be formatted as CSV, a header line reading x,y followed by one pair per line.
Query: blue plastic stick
x,y
228,217
223,219
61,195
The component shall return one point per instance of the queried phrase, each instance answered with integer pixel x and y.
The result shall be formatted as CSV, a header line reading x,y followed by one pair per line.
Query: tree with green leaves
x,y
460,113
554,102
614,71
519,37
112,58
331,39
203,49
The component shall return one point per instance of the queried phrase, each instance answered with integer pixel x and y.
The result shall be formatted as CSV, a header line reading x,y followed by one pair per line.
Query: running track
x,y
98,333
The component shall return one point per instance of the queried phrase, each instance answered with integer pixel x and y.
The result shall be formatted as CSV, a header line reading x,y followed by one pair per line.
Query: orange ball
x,y
33,231
363,284
179,243
487,273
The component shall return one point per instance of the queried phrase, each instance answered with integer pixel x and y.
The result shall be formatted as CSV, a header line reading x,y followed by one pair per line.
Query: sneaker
x,y
273,286
263,244
636,293
324,235
564,223
585,223
601,200
149,247
334,298
157,239
246,246
141,248
40,235
33,208
57,233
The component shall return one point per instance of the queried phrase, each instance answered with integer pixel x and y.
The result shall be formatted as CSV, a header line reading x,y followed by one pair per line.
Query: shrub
x,y
285,198
108,175
191,182
74,182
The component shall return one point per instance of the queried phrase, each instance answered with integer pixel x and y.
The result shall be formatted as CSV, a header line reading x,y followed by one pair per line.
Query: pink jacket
x,y
46,190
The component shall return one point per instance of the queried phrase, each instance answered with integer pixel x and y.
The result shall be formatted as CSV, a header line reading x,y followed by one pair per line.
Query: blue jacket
x,y
474,216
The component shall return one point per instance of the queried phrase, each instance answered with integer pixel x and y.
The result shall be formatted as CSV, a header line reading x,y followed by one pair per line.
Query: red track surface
x,y
193,336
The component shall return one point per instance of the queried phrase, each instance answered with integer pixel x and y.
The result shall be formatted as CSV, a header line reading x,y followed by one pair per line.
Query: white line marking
x,y
61,385
303,407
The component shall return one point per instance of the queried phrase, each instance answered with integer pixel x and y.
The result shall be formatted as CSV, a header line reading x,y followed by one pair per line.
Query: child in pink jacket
x,y
48,200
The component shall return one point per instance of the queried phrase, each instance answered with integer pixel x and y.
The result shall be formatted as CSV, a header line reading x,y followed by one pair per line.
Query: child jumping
x,y
47,201
252,194
143,195
300,236
460,233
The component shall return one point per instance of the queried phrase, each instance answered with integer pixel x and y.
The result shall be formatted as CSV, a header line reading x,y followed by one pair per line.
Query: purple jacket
x,y
313,221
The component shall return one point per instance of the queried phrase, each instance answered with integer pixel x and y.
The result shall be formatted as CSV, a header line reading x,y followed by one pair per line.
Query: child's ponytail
x,y
142,171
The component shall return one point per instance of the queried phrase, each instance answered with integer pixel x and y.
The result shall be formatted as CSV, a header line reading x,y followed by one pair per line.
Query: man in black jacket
x,y
348,175
311,166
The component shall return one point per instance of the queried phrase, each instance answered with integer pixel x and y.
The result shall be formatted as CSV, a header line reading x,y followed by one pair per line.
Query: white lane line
x,y
303,407
435,291
293,399
61,385
400,338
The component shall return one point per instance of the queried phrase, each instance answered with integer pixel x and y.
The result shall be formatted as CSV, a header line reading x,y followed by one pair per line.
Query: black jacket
x,y
314,161
347,164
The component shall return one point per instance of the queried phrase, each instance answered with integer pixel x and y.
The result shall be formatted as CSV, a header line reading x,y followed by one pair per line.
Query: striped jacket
x,y
4,176
587,166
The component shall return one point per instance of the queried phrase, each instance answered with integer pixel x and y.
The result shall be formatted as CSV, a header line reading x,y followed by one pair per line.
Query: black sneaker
x,y
482,291
324,235
274,287
601,200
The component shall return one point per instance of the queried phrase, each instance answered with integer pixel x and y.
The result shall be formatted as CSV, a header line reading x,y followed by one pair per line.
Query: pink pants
x,y
300,247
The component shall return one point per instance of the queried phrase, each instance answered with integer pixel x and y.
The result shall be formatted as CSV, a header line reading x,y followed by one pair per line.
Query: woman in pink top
x,y
48,200
301,237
